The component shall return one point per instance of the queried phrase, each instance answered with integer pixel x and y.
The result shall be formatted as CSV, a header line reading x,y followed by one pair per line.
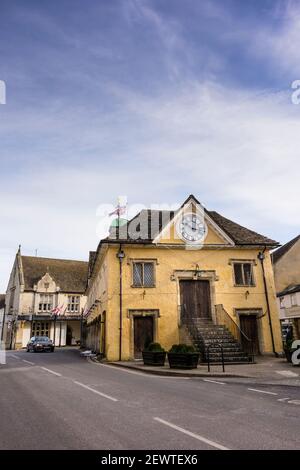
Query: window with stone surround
x,y
243,274
73,303
46,302
143,274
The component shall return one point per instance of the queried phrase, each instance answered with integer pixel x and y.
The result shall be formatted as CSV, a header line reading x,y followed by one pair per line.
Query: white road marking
x,y
287,373
51,371
28,362
191,434
14,356
214,381
283,399
95,391
262,391
294,402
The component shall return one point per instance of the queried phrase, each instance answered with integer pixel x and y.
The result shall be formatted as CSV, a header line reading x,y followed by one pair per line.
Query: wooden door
x,y
248,325
195,299
143,334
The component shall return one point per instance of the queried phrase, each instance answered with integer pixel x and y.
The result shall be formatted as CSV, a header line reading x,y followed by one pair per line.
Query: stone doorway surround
x,y
131,313
196,275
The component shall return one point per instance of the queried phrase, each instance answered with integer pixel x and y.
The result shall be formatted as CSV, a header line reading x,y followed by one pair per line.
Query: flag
x,y
119,210
57,310
85,312
121,207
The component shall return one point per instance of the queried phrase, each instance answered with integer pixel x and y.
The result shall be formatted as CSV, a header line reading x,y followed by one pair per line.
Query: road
x,y
62,401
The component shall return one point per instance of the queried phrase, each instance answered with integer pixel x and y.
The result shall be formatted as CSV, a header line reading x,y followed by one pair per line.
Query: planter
x,y
183,360
154,358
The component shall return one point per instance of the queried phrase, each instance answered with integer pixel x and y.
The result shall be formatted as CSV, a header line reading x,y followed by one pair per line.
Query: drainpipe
x,y
121,255
261,257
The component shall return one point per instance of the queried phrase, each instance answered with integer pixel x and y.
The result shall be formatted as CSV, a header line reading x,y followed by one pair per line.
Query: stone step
x,y
220,340
226,349
227,354
206,334
229,360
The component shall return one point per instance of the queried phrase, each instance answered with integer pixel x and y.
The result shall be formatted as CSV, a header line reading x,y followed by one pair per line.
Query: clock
x,y
191,228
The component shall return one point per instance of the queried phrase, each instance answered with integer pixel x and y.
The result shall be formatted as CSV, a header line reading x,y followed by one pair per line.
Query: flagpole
x,y
59,333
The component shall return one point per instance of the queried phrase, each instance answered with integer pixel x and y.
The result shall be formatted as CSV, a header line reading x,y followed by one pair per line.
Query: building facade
x,y
37,287
286,262
2,316
163,270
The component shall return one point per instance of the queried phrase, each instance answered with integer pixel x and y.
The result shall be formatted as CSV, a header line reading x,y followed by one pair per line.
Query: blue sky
x,y
155,99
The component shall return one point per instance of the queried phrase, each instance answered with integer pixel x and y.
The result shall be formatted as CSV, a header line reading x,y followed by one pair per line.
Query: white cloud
x,y
233,149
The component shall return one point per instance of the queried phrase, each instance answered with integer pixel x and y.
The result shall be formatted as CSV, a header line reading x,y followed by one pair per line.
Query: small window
x,y
281,301
243,274
73,303
143,274
46,303
40,329
293,300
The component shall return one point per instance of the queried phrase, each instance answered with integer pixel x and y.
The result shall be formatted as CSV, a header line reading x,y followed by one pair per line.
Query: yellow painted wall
x,y
165,298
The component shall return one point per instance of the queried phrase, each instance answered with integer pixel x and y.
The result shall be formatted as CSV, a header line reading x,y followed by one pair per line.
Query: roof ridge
x,y
54,259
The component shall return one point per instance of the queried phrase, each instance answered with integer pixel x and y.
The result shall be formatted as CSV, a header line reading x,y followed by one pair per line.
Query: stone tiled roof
x,y
289,290
239,234
276,255
2,301
69,275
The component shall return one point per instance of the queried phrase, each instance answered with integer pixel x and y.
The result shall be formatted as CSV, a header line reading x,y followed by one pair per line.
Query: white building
x,y
286,263
38,285
289,307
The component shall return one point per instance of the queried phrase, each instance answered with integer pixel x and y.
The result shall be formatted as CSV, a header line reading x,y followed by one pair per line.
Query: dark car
x,y
40,343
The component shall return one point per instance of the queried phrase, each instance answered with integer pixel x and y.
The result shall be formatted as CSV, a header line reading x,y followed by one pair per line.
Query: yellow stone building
x,y
185,276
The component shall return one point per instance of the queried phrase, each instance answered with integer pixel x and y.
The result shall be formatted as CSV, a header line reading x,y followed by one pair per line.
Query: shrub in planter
x,y
183,356
154,355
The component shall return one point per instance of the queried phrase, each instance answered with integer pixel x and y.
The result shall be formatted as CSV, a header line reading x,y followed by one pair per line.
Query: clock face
x,y
192,228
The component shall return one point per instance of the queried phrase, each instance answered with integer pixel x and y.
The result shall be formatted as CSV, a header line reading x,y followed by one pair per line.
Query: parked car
x,y
40,343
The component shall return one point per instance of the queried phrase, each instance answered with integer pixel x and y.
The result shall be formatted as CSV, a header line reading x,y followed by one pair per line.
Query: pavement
x,y
266,370
63,401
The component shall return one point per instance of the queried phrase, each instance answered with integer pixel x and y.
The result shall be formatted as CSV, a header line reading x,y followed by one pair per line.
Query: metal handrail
x,y
208,357
241,332
192,326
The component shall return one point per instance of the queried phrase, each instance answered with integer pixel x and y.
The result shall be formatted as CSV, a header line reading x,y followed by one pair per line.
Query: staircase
x,y
203,332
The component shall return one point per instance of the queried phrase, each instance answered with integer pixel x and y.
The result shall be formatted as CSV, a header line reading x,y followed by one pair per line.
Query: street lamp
x,y
120,255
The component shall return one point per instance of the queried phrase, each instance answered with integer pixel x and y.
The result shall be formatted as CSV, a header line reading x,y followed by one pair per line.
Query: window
x,y
293,300
281,301
46,302
143,274
73,303
243,274
40,329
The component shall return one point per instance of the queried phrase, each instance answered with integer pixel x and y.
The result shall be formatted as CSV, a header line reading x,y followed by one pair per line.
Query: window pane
x,y
248,274
238,274
148,274
137,274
